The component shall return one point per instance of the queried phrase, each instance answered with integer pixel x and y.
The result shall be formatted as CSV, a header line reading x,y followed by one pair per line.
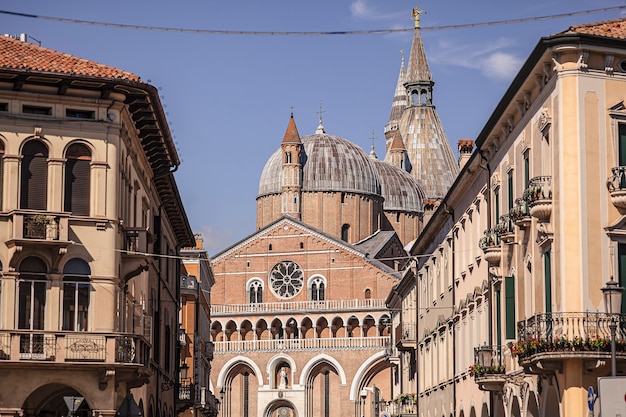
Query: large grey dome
x,y
330,163
401,191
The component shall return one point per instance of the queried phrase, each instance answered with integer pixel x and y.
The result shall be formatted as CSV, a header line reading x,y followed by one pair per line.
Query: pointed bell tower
x,y
429,156
291,186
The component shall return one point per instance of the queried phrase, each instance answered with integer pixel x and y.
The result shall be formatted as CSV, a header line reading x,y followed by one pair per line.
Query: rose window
x,y
286,279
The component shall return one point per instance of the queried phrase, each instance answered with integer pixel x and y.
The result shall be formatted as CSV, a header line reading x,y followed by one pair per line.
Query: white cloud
x,y
360,9
494,59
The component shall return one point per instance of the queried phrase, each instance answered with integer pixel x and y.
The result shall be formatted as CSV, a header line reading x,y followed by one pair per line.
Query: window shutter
x,y
509,302
77,183
34,181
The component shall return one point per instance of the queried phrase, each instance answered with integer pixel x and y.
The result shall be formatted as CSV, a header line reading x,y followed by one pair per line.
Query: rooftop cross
x,y
320,128
373,138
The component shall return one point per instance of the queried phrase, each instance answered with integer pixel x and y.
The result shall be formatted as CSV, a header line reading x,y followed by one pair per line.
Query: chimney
x,y
466,146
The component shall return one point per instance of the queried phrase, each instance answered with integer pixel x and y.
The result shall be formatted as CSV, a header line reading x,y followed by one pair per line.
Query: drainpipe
x,y
451,213
487,168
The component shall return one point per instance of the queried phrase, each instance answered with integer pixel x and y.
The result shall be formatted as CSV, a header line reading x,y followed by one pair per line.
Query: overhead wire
x,y
307,33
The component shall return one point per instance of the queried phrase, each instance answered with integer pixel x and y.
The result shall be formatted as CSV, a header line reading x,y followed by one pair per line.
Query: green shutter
x,y
510,184
622,144
498,318
496,205
621,254
509,302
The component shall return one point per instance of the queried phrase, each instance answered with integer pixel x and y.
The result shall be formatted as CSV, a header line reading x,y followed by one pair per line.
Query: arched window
x,y
317,288
76,292
1,171
255,291
368,293
345,229
34,176
77,180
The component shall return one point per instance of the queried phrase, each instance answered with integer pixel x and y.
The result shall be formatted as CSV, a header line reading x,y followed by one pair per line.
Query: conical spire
x,y
398,105
430,157
291,133
418,65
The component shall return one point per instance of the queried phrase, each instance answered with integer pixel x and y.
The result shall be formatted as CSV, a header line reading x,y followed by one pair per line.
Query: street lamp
x,y
612,292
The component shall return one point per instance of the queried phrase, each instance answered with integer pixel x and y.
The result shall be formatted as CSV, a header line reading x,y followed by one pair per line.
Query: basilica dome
x,y
329,164
400,190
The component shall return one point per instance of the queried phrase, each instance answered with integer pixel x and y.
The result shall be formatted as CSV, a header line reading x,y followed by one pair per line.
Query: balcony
x,y
222,310
403,405
137,241
405,336
282,345
538,195
488,369
504,228
490,244
78,347
186,390
520,214
548,339
616,184
38,228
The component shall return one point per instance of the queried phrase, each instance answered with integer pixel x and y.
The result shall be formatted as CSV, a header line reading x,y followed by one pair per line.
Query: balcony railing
x,y
488,369
616,184
186,391
504,228
538,195
219,310
570,334
137,240
399,408
405,335
278,345
490,244
520,214
41,226
73,347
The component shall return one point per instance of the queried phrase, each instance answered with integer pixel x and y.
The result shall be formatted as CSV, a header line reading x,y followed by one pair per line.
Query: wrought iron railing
x,y
137,240
539,188
41,226
617,181
504,226
491,239
487,361
520,211
587,331
73,347
405,332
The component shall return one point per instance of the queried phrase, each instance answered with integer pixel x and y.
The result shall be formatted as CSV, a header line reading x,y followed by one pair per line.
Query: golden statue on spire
x,y
416,16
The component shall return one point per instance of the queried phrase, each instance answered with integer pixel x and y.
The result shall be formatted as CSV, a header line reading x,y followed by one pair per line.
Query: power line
x,y
308,33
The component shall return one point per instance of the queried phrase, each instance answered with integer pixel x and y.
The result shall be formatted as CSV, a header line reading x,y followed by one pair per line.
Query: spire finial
x,y
402,53
416,16
291,107
320,128
373,138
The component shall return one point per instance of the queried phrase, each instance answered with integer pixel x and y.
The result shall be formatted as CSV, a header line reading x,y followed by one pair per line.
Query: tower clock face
x,y
286,279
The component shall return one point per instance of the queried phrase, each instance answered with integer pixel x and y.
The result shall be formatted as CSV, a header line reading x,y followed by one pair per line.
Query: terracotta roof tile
x,y
23,56
608,28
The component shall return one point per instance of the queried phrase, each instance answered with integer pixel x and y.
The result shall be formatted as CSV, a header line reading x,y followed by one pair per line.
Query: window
x,y
255,291
621,267
76,294
80,114
287,157
32,293
77,180
286,279
509,305
368,294
510,189
38,110
1,171
526,169
496,204
547,275
34,176
317,288
4,107
345,229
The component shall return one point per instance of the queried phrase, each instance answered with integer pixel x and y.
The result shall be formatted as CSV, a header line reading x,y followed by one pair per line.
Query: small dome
x,y
330,163
401,191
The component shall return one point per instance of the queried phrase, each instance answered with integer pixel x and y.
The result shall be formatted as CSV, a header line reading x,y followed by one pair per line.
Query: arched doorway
x,y
49,401
280,408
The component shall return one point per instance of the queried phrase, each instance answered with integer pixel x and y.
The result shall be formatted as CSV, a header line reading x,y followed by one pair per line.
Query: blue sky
x,y
228,97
